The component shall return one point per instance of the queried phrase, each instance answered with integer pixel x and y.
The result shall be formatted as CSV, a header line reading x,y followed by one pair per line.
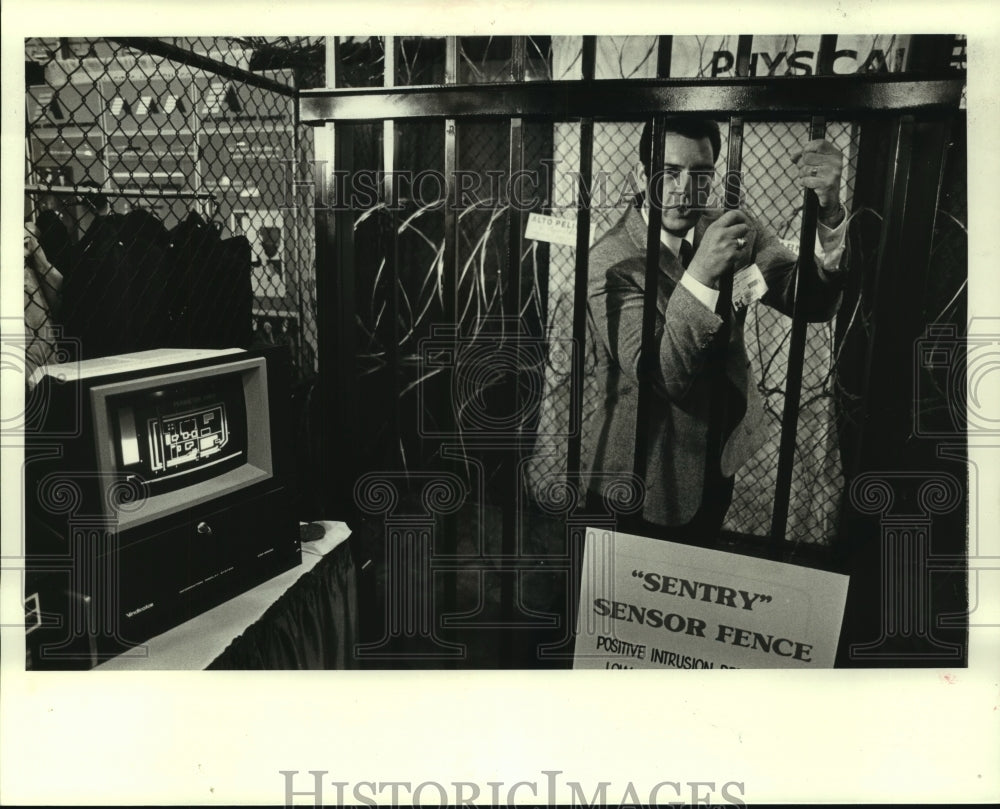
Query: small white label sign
x,y
645,603
554,229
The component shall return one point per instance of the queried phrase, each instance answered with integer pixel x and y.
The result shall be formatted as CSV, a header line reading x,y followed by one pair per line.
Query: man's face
x,y
688,170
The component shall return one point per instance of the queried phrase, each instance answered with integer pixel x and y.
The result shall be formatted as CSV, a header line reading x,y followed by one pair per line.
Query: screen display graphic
x,y
176,441
181,433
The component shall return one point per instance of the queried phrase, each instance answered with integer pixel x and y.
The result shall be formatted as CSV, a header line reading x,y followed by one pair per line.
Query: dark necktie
x,y
686,253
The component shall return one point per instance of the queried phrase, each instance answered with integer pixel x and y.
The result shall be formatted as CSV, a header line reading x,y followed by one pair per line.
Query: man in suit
x,y
699,345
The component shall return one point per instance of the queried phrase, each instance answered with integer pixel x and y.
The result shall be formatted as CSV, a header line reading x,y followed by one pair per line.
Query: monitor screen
x,y
178,434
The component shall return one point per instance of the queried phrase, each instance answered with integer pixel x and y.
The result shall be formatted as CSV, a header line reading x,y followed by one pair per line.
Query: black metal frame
x,y
850,97
928,94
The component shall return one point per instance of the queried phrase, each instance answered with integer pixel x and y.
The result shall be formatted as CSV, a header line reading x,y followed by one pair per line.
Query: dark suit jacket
x,y
685,334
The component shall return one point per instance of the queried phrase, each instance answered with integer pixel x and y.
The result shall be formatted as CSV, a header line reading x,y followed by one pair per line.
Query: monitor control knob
x,y
204,529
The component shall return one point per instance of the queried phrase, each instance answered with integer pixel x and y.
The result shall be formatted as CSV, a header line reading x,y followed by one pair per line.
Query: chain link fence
x,y
547,275
158,204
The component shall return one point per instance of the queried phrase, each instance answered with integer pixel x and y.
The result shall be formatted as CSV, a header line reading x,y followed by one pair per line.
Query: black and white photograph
x,y
478,378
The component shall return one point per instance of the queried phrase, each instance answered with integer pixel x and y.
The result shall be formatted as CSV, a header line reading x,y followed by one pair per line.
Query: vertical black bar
x,y
664,56
826,54
733,186
718,415
515,217
875,154
390,245
512,309
300,359
719,405
518,57
346,357
335,299
744,51
575,527
648,359
449,313
580,276
804,272
332,60
796,357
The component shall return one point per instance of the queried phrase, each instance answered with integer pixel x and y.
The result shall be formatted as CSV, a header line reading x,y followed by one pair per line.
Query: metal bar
x,y
158,47
777,97
664,56
450,264
300,266
512,306
328,301
796,357
331,57
336,346
450,60
805,271
588,57
90,191
719,404
389,62
744,50
518,58
874,154
341,364
826,54
733,188
515,234
390,243
580,276
648,359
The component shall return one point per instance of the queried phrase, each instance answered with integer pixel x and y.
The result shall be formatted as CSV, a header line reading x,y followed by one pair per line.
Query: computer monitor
x,y
157,486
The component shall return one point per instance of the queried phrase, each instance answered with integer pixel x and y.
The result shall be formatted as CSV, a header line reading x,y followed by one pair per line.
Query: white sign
x,y
555,229
645,603
552,229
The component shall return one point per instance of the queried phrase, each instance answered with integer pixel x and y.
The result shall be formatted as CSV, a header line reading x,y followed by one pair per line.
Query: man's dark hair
x,y
694,128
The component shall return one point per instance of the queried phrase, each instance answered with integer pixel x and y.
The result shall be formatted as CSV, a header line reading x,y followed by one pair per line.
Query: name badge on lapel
x,y
748,286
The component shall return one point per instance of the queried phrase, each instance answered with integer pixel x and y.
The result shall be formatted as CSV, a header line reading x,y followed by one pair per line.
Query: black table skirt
x,y
312,626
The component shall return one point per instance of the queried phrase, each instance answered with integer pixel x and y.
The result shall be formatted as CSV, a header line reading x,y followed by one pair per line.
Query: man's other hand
x,y
722,241
820,165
